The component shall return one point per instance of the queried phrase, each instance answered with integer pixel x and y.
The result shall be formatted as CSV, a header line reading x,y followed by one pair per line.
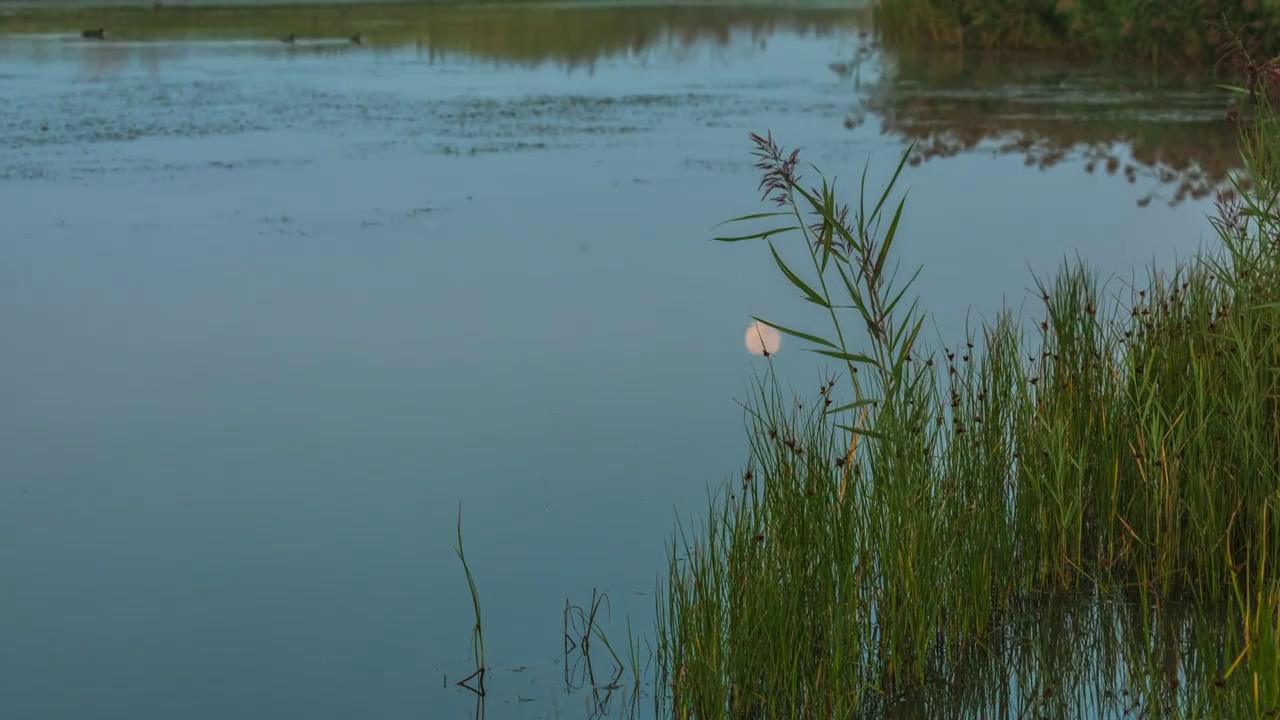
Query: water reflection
x,y
1114,653
1111,652
527,36
1167,135
593,667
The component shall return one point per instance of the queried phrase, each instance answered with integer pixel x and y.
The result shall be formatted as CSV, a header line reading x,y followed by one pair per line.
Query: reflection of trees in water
x,y
582,36
1170,135
534,35
113,60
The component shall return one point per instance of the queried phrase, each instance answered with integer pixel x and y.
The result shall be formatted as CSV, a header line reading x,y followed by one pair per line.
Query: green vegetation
x,y
477,631
1169,31
1115,465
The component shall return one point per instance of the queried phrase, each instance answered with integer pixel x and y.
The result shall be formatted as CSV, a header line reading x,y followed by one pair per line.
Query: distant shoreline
x,y
31,6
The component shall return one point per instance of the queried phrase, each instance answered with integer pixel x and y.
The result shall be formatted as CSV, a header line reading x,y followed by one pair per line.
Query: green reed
x,y
477,631
890,527
1170,31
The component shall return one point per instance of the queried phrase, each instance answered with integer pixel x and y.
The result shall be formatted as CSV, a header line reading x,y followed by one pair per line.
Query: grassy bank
x,y
1170,31
1117,454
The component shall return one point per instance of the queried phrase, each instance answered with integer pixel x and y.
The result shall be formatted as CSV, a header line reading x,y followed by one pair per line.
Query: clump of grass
x,y
722,642
1129,439
1169,31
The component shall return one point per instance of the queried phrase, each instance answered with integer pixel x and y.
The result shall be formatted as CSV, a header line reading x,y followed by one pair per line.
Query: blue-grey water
x,y
269,315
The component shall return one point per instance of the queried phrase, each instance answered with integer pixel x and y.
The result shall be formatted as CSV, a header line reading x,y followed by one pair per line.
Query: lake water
x,y
272,312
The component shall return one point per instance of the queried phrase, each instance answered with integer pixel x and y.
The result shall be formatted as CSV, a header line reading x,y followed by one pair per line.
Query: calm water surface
x,y
271,313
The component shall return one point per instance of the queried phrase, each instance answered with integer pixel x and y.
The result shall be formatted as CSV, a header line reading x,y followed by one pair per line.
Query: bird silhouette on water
x,y
358,38
94,34
289,38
